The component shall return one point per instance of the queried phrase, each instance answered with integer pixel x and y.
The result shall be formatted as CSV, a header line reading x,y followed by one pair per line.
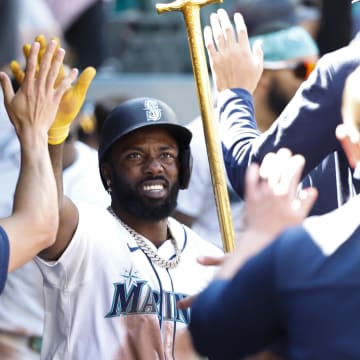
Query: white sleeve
x,y
85,253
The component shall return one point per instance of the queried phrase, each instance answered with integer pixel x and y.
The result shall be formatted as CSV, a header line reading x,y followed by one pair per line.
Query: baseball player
x,y
114,275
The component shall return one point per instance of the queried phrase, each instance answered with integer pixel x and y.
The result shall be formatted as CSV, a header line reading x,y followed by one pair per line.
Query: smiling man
x,y
118,272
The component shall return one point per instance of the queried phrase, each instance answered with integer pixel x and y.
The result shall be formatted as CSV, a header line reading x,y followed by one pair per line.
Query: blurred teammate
x,y
306,126
290,288
290,55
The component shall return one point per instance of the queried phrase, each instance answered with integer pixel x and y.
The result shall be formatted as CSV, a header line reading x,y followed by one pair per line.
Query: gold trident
x,y
191,13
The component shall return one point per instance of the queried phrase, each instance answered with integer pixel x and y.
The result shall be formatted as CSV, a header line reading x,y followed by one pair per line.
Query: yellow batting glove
x,y
69,107
19,73
43,44
15,67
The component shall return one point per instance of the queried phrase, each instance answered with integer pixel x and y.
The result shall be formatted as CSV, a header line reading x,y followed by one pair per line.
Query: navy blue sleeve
x,y
4,258
306,126
234,318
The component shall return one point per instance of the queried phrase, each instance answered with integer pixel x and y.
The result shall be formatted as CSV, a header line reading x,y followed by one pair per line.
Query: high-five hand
x,y
272,200
233,63
35,104
272,203
71,101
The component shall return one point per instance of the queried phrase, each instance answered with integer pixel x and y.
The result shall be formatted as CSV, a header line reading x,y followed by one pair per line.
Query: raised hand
x,y
233,63
16,68
70,106
72,100
272,200
35,104
272,203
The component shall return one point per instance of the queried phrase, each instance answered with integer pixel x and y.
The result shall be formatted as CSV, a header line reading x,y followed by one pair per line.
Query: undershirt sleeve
x,y
4,258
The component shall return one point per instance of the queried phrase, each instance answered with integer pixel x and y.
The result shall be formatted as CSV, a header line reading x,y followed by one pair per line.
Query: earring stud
x,y
108,184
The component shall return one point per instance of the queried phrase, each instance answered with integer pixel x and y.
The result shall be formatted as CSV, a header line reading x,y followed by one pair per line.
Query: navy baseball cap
x,y
144,112
138,113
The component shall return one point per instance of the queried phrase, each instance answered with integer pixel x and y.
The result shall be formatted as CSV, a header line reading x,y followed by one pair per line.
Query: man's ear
x,y
105,171
350,145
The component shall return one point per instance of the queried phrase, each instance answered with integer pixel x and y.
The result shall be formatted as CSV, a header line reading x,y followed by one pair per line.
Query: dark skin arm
x,y
68,213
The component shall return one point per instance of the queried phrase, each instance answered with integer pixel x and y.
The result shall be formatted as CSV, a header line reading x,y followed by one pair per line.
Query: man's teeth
x,y
153,187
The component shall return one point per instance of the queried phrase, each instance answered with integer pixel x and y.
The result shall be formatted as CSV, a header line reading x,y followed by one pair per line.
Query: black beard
x,y
129,199
277,100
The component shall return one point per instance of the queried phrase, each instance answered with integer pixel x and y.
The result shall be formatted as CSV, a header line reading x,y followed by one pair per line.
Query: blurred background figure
x,y
332,37
196,205
308,14
355,19
82,23
290,54
21,21
316,16
93,116
34,18
8,31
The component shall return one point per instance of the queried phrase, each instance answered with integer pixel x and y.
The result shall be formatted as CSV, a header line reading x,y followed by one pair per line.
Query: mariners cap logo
x,y
153,110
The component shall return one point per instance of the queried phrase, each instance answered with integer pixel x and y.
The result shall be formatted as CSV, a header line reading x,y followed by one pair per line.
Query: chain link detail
x,y
153,256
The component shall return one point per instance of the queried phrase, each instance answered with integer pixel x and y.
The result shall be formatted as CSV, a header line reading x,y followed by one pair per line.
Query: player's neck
x,y
155,231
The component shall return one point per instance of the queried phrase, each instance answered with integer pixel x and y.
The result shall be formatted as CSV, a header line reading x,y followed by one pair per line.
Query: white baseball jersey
x,y
105,299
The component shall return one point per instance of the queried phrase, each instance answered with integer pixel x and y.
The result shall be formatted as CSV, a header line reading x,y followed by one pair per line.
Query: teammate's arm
x,y
68,212
67,111
32,110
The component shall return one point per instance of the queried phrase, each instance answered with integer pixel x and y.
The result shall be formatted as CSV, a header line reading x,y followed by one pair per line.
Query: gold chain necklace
x,y
153,256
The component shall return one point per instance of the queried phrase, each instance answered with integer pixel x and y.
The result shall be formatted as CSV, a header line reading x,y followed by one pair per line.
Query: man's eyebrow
x,y
165,147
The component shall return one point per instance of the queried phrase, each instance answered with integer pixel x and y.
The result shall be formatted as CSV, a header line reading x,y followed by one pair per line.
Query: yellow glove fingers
x,y
61,76
55,67
66,83
46,62
17,72
85,79
61,73
43,44
70,104
69,107
26,50
41,40
80,89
